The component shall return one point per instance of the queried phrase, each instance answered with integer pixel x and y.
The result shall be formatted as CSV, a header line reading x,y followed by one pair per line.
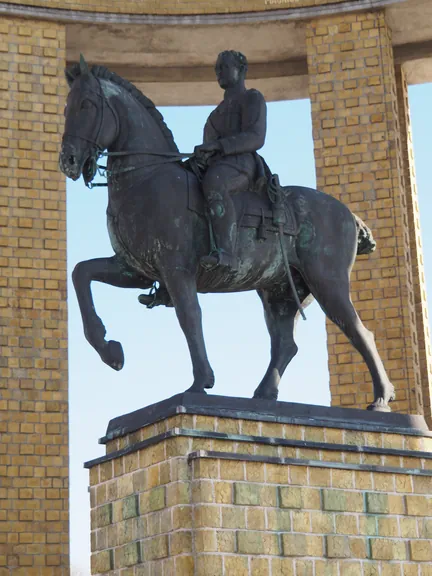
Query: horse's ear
x,y
84,69
70,75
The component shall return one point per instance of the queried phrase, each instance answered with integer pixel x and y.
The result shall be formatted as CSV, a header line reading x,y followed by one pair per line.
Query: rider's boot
x,y
223,219
157,297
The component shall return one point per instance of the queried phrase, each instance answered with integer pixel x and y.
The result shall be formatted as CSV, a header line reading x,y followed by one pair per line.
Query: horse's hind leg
x,y
334,298
109,271
281,316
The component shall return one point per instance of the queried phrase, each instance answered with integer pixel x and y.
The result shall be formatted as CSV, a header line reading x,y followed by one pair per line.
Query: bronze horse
x,y
157,237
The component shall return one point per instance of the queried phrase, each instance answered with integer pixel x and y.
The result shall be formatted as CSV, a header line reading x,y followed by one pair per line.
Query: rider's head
x,y
231,66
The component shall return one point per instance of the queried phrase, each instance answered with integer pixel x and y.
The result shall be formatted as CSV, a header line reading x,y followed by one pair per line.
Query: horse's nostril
x,y
71,160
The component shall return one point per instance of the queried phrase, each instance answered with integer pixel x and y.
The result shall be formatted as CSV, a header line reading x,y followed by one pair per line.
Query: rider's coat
x,y
239,124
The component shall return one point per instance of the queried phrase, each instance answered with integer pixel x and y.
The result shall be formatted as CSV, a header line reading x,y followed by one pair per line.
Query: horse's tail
x,y
365,240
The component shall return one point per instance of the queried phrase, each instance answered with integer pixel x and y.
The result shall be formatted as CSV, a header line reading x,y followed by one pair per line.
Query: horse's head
x,y
90,123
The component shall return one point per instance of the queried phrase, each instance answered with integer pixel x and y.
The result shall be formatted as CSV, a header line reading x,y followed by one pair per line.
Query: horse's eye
x,y
86,104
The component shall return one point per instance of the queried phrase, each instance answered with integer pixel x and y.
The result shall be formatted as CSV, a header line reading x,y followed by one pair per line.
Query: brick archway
x,y
352,62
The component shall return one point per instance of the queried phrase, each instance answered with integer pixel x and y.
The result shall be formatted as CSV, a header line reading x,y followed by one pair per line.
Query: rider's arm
x,y
254,125
210,133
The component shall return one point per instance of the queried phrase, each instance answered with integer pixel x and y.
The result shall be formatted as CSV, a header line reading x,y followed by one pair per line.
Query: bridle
x,y
98,150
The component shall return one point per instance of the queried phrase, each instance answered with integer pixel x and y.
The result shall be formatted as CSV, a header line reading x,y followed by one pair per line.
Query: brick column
x,y
34,534
359,159
418,274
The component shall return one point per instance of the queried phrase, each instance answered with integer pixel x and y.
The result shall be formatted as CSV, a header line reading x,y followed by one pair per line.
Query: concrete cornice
x,y
77,16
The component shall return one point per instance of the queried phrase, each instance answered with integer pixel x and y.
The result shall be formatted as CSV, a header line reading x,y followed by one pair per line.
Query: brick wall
x,y
359,159
346,502
33,322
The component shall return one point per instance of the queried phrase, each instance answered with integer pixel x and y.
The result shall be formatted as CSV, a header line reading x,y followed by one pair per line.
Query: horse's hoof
x,y
266,394
379,406
199,386
195,390
114,356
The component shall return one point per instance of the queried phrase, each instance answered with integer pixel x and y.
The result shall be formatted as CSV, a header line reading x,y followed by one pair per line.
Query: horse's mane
x,y
102,72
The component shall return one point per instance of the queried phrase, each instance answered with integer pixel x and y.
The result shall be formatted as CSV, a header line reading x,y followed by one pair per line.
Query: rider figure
x,y
234,132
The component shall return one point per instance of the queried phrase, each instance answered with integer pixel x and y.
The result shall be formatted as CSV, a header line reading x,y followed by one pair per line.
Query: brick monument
x,y
353,58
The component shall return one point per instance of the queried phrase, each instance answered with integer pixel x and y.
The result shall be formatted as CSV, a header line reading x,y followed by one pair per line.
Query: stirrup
x,y
156,297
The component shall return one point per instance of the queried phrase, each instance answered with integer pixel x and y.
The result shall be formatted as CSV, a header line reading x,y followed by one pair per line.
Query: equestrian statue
x,y
216,222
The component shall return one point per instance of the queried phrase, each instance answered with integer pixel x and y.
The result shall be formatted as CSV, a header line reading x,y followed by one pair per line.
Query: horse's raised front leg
x,y
182,288
109,271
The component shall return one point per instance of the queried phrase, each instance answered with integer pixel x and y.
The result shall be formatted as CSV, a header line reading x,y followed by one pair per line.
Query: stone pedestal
x,y
218,486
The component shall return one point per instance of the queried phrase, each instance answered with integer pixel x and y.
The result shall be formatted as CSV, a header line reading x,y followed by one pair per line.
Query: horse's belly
x,y
260,266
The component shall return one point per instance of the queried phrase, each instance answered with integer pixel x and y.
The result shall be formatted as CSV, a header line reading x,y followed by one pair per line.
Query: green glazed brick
x,y
130,507
131,554
153,500
247,494
257,543
252,494
342,501
155,548
302,545
104,515
377,503
102,562
291,497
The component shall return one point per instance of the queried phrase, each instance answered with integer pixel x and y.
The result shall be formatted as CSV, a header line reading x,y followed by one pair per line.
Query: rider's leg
x,y
219,183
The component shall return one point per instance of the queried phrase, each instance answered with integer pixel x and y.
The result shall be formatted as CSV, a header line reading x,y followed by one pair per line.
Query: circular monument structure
x,y
353,58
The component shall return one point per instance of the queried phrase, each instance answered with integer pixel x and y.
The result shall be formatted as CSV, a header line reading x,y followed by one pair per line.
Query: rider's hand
x,y
206,150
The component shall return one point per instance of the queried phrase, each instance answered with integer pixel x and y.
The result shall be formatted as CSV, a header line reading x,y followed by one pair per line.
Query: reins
x,y
105,173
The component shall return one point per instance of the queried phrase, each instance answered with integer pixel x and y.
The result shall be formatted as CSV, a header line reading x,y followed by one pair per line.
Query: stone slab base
x,y
211,486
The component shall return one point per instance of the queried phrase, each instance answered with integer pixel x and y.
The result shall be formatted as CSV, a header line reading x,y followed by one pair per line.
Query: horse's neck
x,y
137,130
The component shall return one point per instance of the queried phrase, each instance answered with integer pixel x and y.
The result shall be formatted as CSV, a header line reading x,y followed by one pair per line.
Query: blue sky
x,y
157,360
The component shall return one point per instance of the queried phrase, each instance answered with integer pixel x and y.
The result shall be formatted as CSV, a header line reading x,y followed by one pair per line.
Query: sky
x,y
157,363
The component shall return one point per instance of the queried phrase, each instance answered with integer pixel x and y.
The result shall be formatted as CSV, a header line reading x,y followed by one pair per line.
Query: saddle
x,y
264,207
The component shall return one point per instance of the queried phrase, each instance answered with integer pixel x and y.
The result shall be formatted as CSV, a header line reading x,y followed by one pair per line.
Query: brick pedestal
x,y
219,486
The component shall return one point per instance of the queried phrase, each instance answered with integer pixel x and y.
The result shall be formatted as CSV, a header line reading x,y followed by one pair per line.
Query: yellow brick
x,y
255,519
419,505
421,550
232,470
260,567
180,542
386,549
282,567
209,565
226,541
208,516
236,565
205,541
